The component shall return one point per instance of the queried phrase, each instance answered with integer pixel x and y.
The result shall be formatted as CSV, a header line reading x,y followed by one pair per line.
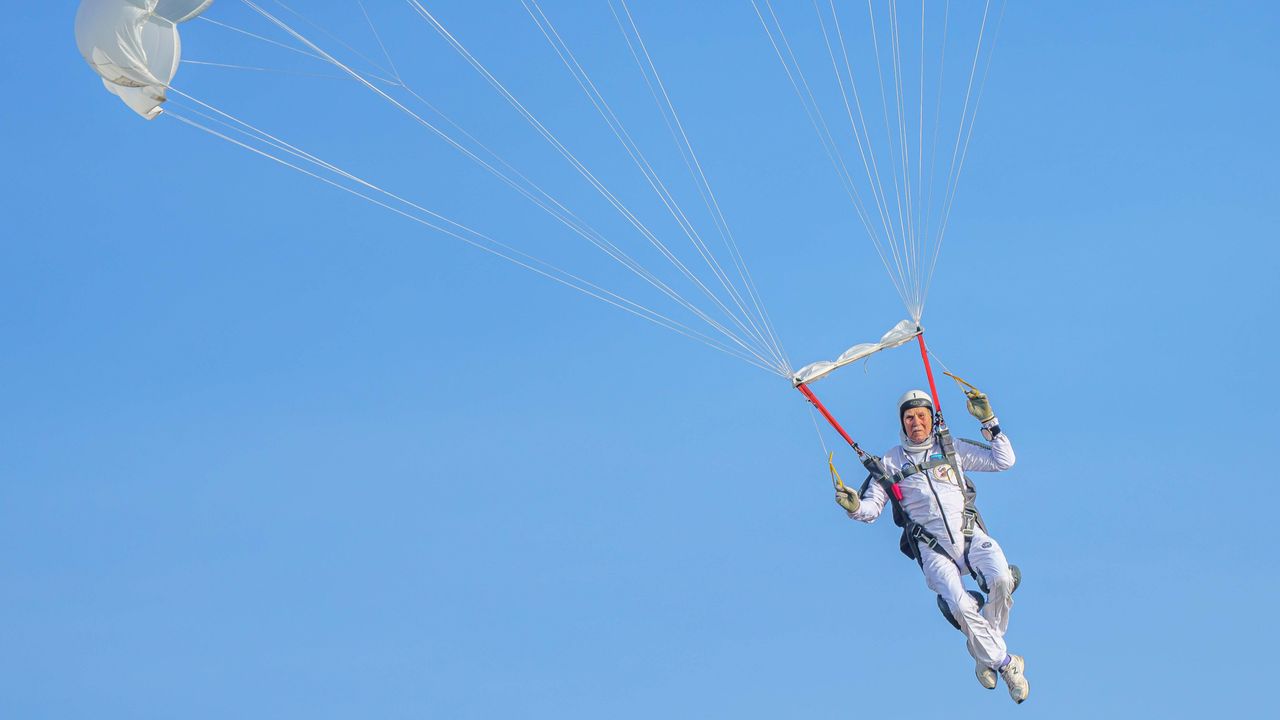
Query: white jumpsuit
x,y
935,499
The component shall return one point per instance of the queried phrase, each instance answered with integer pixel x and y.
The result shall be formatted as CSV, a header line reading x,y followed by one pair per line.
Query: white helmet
x,y
913,399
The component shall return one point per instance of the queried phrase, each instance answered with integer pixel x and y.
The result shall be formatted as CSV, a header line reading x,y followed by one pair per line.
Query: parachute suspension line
x,y
897,246
561,212
577,165
964,112
335,38
604,245
278,44
694,166
894,150
895,44
377,36
920,131
651,176
460,232
937,123
830,454
818,429
968,136
945,370
872,169
914,220
269,41
570,219
251,68
529,259
818,120
564,214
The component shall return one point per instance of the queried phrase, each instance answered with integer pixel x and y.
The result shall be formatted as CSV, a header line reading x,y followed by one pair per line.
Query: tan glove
x,y
848,499
979,406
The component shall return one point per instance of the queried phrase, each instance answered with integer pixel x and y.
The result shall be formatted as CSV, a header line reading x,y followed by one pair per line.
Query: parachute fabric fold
x,y
134,46
899,334
179,11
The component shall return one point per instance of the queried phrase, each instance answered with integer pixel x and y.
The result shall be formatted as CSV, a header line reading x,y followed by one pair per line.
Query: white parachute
x,y
134,46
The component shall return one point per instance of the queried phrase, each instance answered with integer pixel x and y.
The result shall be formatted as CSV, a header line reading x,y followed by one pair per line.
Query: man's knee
x,y
960,601
1001,584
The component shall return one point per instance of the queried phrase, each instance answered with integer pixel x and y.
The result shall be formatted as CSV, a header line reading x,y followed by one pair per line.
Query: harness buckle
x,y
967,524
919,534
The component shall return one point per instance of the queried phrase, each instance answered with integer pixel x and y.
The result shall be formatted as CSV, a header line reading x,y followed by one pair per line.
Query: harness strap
x,y
919,534
914,531
912,468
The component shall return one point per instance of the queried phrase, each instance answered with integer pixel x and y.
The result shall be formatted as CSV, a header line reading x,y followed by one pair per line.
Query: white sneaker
x,y
1013,675
986,676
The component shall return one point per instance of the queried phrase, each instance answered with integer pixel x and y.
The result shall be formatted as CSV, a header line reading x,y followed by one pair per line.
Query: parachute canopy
x,y
133,45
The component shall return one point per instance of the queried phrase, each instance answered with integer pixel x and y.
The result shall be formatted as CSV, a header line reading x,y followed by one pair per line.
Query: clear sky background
x,y
267,451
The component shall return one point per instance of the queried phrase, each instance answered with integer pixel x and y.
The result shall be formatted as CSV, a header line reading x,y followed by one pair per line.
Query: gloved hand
x,y
848,499
979,406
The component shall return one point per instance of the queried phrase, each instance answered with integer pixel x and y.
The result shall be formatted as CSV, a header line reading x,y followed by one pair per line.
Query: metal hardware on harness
x,y
970,521
918,533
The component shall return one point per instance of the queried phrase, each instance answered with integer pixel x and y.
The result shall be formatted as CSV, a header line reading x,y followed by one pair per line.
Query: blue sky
x,y
272,452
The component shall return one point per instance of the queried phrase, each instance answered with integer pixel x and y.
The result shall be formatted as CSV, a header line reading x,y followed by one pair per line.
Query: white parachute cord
x,y
269,41
261,136
934,355
920,132
286,147
638,158
895,44
377,36
813,415
578,165
893,149
558,44
937,124
692,163
251,68
964,113
278,44
813,111
917,191
501,250
874,178
968,136
334,38
869,163
426,15
454,143
549,204
558,210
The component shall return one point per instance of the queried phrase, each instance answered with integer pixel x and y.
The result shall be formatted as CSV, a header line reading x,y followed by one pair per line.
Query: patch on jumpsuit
x,y
944,473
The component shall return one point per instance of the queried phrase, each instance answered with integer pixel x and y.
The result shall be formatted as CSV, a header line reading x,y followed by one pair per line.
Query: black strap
x,y
912,468
919,534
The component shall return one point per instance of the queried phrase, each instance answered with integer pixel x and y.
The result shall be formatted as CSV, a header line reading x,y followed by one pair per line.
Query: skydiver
x,y
944,531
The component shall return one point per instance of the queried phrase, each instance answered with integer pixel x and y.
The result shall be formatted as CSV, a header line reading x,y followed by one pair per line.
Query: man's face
x,y
918,423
